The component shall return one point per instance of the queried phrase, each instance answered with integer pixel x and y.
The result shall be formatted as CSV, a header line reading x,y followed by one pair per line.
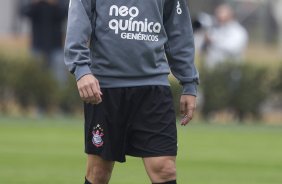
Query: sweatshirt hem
x,y
117,82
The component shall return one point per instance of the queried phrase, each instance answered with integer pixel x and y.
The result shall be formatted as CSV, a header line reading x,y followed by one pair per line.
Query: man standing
x,y
47,18
227,40
123,79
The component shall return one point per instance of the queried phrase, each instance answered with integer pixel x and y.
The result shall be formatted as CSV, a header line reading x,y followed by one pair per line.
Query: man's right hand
x,y
89,89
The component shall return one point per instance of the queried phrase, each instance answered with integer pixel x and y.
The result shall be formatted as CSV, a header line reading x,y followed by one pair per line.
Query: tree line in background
x,y
240,88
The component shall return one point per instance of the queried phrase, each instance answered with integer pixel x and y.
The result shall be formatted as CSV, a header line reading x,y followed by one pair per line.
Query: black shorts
x,y
136,121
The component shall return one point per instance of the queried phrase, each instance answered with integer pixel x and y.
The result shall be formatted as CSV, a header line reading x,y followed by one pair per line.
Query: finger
x,y
185,117
96,92
98,86
182,108
189,115
80,93
85,95
96,102
80,90
185,120
98,98
190,109
90,93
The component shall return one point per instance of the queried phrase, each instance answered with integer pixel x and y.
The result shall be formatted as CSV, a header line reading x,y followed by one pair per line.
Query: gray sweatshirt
x,y
129,43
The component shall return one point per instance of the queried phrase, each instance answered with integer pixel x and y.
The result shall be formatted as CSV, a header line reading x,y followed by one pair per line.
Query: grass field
x,y
50,151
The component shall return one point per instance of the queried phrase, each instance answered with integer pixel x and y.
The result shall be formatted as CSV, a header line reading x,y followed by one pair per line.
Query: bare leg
x,y
98,170
160,169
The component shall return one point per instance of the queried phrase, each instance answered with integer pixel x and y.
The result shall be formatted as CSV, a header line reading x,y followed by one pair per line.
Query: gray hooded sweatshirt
x,y
129,43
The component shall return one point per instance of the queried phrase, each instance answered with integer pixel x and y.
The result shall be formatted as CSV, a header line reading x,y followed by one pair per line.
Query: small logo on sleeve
x,y
178,8
98,134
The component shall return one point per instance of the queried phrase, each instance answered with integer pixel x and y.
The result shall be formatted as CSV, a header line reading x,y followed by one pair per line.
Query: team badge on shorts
x,y
98,134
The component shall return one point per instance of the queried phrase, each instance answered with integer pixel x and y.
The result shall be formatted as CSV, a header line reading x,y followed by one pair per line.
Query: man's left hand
x,y
187,108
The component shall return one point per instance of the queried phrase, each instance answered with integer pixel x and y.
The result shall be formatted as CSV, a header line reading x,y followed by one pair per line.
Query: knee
x,y
165,170
98,175
98,170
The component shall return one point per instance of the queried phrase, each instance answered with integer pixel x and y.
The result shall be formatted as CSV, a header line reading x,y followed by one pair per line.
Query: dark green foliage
x,y
277,84
241,88
69,96
176,91
29,82
33,84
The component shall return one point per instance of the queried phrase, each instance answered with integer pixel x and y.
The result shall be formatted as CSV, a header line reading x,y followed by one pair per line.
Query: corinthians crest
x,y
98,134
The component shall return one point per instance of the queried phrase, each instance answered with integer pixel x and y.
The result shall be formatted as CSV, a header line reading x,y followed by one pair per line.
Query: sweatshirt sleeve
x,y
179,48
79,29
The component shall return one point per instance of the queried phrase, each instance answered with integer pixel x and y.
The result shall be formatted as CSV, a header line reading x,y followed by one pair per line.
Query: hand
x,y
187,108
89,89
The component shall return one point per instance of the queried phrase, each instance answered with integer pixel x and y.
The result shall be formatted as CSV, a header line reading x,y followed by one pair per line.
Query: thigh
x,y
105,126
153,130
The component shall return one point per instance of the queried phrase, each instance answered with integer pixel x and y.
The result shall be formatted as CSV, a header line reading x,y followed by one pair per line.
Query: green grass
x,y
50,151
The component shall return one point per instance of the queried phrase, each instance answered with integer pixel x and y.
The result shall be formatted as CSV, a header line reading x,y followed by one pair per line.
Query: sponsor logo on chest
x,y
125,24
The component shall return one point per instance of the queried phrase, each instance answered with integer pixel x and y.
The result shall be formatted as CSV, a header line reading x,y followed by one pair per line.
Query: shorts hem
x,y
105,157
141,155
